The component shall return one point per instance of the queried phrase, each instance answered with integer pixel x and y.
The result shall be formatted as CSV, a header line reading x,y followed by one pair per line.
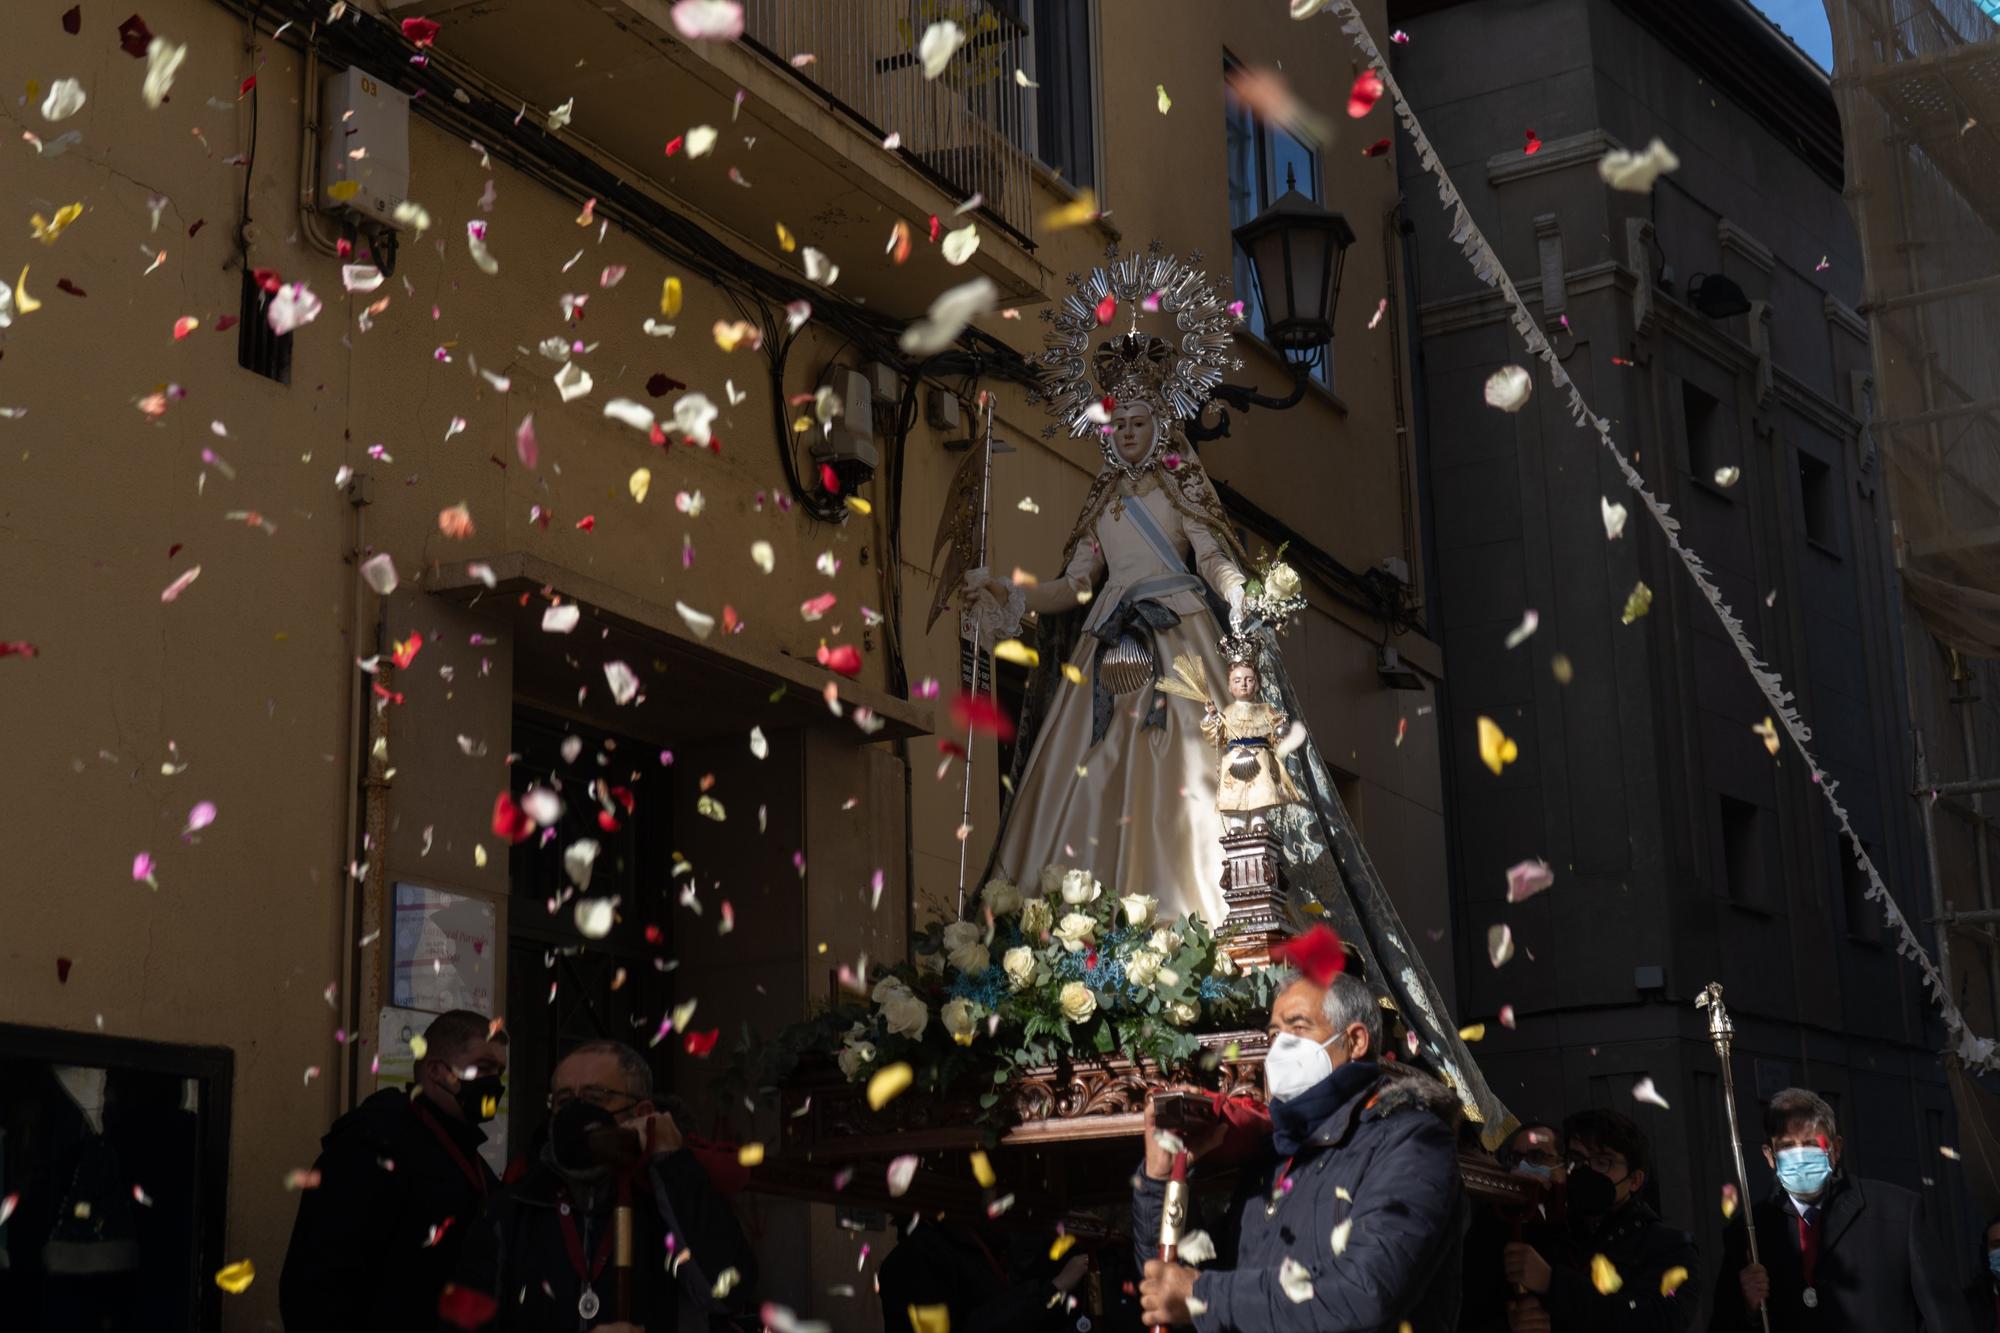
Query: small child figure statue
x,y
1253,778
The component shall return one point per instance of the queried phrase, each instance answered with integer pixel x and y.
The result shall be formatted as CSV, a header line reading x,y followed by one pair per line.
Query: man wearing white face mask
x,y
1353,1218
1839,1253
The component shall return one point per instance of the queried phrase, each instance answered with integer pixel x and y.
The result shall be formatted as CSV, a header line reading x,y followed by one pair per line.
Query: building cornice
x,y
1736,241
1844,317
1572,150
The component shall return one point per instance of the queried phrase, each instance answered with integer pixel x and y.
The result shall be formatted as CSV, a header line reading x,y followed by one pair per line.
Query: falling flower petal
x,y
623,681
1317,954
948,316
701,140
819,268
234,1278
959,245
292,307
1726,477
1604,1276
1644,1091
700,623
1728,1202
636,415
766,559
1531,620
1496,751
1507,1017
1508,389
1637,603
142,869
363,278
1164,102
178,586
1295,1280
66,98
1341,1233
163,61
1499,944
595,917
572,381
475,243
1527,879
561,619
1533,145
1472,1032
455,522
694,416
887,1084
379,571
708,20
1614,518
940,41
561,115
640,482
1671,1280
1769,731
1367,91
525,446
1636,172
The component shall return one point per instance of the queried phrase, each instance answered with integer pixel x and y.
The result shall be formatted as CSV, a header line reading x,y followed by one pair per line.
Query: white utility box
x,y
364,146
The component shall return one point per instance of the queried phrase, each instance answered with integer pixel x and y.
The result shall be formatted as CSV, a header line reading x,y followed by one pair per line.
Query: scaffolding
x,y
1918,87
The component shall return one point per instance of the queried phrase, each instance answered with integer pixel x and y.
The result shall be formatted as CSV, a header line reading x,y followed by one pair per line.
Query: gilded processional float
x,y
1169,821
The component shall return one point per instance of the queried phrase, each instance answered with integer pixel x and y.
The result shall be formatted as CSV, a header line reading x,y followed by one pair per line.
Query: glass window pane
x,y
1240,135
1289,153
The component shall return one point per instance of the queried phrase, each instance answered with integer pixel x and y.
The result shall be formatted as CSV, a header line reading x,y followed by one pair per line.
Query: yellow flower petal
x,y
1166,102
1063,1244
237,1277
1638,603
641,481
982,1171
1073,214
859,505
1670,1281
1769,731
1020,654
1072,673
25,303
1495,750
1472,1032
1604,1276
889,1083
750,1154
930,1319
342,191
670,297
786,241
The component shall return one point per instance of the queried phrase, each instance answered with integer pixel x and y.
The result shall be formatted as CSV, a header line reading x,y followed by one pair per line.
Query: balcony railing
x,y
968,128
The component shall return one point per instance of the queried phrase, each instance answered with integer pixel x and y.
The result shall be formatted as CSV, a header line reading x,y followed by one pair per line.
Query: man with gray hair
x,y
540,1259
1839,1253
1352,1219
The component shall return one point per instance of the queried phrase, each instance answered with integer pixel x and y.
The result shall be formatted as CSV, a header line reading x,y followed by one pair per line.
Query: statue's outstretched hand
x,y
1236,609
982,591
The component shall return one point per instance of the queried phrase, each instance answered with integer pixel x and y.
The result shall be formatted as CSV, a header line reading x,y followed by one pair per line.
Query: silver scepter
x,y
1721,1031
965,809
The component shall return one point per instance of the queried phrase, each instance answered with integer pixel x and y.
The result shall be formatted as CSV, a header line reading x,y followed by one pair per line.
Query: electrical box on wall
x,y
364,146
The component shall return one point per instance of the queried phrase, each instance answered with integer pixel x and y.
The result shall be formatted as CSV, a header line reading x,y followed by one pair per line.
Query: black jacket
x,y
517,1253
1642,1250
1384,1166
1982,1302
378,1238
1878,1267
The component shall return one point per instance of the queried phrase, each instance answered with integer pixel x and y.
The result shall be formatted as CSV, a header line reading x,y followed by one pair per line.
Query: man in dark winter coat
x,y
1839,1253
400,1181
1648,1286
539,1259
1353,1219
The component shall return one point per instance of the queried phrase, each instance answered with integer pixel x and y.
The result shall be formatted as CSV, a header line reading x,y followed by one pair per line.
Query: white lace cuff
x,y
1004,621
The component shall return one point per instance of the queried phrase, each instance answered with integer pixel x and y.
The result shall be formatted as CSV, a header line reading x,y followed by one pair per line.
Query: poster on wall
x,y
396,1067
446,951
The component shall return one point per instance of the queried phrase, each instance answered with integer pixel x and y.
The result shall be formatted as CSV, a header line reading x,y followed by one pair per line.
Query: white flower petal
x,y
701,140
901,1171
708,20
561,619
1636,172
623,680
694,415
573,381
362,278
595,917
578,860
700,622
948,316
940,42
292,307
819,268
66,98
634,414
959,245
1341,1232
379,572
1644,1091
1508,388
542,805
1614,518
766,559
163,61
1295,1280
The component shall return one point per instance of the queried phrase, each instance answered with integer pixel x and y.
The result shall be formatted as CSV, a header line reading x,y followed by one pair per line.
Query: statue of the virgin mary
x,y
1111,774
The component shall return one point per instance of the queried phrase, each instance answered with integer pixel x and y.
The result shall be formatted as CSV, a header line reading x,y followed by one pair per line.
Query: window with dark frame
x,y
1864,918
1263,162
1066,101
1709,444
1745,856
259,350
1820,501
115,1152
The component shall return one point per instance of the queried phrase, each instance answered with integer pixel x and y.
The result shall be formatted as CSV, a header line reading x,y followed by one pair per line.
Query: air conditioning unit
x,y
364,147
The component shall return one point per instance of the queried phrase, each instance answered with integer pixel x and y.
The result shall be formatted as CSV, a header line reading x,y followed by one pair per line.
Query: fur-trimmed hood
x,y
1404,1088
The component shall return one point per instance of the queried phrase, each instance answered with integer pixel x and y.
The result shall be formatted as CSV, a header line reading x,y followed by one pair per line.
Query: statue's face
x,y
1242,681
1133,428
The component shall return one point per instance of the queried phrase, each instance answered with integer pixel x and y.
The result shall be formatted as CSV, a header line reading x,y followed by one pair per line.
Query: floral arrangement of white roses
x,y
1058,969
1274,594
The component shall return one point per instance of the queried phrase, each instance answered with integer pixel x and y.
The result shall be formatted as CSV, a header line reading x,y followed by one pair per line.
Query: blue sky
x,y
1804,21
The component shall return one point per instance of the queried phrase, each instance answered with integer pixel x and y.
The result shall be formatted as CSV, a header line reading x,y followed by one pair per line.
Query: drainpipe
x,y
350,837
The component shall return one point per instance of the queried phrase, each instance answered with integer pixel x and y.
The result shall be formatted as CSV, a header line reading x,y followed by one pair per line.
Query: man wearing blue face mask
x,y
1352,1219
1839,1253
1982,1298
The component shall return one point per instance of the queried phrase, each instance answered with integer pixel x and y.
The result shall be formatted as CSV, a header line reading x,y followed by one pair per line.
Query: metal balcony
x,y
968,129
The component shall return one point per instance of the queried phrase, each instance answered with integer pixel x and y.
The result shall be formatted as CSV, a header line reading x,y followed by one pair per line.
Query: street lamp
x,y
1296,250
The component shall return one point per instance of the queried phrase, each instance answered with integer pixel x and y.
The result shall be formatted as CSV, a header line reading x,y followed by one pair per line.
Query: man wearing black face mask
x,y
542,1258
1352,1220
1615,1267
400,1181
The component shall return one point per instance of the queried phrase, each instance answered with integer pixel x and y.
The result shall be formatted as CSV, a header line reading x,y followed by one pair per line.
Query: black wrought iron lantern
x,y
1297,250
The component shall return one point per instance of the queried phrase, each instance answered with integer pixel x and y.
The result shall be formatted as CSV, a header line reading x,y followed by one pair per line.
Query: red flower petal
x,y
829,480
510,821
1534,144
268,278
608,821
843,659
1107,309
243,88
1377,149
659,386
62,970
1367,91
935,227
588,523
73,20
405,652
134,37
982,713
701,1043
462,1307
1316,954
421,31
18,648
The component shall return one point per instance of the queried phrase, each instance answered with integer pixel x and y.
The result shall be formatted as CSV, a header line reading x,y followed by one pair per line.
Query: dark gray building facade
x,y
1684,851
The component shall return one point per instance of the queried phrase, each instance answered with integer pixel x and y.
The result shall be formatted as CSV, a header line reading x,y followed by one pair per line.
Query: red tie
x,y
1808,1247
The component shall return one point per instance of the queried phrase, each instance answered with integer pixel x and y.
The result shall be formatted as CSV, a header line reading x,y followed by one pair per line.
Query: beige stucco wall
x,y
249,671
